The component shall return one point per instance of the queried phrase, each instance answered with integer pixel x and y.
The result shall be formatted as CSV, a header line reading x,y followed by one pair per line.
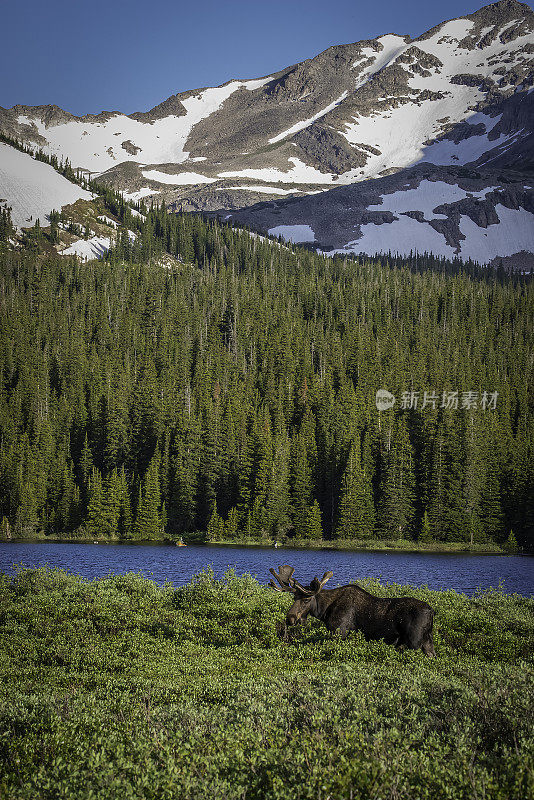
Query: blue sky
x,y
128,55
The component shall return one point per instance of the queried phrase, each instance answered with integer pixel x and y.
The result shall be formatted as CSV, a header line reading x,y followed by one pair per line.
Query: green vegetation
x,y
365,544
120,688
201,379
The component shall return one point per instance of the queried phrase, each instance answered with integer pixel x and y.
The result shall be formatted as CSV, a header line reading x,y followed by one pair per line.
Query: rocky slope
x,y
454,212
379,119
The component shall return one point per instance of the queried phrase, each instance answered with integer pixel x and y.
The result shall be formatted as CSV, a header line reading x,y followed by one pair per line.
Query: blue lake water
x,y
462,572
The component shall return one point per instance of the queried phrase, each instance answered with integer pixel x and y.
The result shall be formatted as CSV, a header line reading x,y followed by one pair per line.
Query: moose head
x,y
305,596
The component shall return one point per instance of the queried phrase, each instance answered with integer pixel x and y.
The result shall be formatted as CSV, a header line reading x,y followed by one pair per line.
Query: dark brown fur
x,y
400,621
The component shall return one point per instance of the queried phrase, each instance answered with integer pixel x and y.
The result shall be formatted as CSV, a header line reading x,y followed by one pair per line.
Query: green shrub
x,y
119,687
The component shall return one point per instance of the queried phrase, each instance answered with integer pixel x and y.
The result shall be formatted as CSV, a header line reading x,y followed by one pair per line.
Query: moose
x,y
404,622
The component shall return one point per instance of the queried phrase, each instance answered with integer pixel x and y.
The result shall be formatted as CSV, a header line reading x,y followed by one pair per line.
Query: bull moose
x,y
400,621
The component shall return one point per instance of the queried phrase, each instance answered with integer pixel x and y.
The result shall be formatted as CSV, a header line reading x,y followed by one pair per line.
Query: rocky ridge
x,y
320,142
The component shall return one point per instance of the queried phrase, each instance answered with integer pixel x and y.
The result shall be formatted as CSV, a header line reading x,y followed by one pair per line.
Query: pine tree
x,y
301,486
111,505
215,529
491,513
5,529
85,469
231,525
183,502
148,524
427,534
95,521
278,500
511,545
314,528
146,415
250,374
356,508
65,512
396,507
124,522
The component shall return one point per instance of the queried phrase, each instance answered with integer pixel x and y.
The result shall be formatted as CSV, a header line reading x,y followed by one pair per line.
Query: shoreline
x,y
377,546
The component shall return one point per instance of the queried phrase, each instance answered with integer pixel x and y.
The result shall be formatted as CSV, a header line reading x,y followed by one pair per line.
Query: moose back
x,y
400,621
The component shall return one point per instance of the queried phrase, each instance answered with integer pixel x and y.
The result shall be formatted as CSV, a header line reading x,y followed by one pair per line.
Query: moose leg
x,y
419,635
428,646
342,631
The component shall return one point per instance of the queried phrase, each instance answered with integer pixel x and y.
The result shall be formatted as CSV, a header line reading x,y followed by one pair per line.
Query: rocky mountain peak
x,y
458,96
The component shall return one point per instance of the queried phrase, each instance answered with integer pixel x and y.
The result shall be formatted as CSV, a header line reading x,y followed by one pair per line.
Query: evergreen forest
x,y
202,379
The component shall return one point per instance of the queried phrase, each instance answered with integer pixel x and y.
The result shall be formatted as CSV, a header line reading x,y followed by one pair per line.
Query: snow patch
x,y
299,173
402,237
483,192
446,152
264,189
135,196
135,213
97,145
425,198
33,188
392,47
299,126
400,133
514,232
256,84
96,247
181,179
293,233
447,37
107,221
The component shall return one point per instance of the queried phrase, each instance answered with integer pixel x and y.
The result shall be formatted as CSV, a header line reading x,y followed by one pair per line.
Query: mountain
x,y
385,144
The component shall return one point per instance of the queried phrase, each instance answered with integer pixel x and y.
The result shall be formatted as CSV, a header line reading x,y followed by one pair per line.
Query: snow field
x,y
180,179
293,233
299,173
400,133
32,188
514,232
97,145
95,247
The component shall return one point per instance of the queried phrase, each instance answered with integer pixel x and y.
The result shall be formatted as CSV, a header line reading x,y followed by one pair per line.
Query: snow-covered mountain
x,y
429,142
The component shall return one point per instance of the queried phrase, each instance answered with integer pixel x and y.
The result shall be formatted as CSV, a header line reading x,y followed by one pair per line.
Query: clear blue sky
x,y
128,55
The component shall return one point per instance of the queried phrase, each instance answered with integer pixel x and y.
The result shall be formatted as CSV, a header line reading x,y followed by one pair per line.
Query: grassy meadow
x,y
120,688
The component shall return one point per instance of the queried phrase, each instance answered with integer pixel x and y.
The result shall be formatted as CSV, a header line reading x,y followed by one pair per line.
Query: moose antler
x,y
290,584
326,577
283,576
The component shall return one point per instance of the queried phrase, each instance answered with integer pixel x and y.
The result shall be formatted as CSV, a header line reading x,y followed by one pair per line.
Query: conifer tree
x,y
124,522
427,534
396,507
183,503
314,528
148,523
231,525
356,508
95,520
250,373
111,505
301,486
85,469
215,529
